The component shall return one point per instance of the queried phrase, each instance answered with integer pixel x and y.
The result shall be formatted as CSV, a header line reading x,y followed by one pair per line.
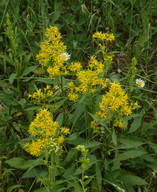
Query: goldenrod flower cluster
x,y
87,80
41,96
53,55
51,52
74,66
104,36
45,133
115,104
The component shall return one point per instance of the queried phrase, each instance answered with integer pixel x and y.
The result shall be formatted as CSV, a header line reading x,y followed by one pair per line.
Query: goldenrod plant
x,y
78,96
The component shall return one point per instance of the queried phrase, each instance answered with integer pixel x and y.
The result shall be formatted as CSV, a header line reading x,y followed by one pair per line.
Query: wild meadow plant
x,y
82,138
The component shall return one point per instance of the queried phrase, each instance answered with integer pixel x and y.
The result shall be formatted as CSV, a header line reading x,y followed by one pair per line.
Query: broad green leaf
x,y
148,158
72,154
55,16
45,80
33,108
136,124
30,173
60,119
68,174
77,114
77,141
91,144
133,180
131,154
28,70
21,163
153,146
26,60
128,144
12,78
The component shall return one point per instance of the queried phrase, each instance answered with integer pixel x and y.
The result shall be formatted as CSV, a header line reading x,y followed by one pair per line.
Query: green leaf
x,y
133,180
78,112
114,138
128,144
44,80
98,176
91,144
55,16
77,141
43,189
8,59
149,125
148,158
153,146
68,174
136,124
10,189
72,154
12,78
60,119
21,163
59,104
129,155
28,70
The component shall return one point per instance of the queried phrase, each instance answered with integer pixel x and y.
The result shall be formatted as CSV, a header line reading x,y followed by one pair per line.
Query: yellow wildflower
x,y
43,125
75,66
36,147
40,97
65,130
104,36
115,102
52,53
118,123
60,139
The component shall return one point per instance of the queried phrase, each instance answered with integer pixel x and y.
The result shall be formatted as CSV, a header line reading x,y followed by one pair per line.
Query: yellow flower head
x,y
115,101
41,96
36,147
43,125
52,54
60,139
65,130
104,36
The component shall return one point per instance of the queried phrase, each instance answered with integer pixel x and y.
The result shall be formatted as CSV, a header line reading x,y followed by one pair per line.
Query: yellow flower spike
x,y
72,96
115,101
103,36
43,124
52,54
75,66
60,139
35,148
40,96
118,123
65,130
